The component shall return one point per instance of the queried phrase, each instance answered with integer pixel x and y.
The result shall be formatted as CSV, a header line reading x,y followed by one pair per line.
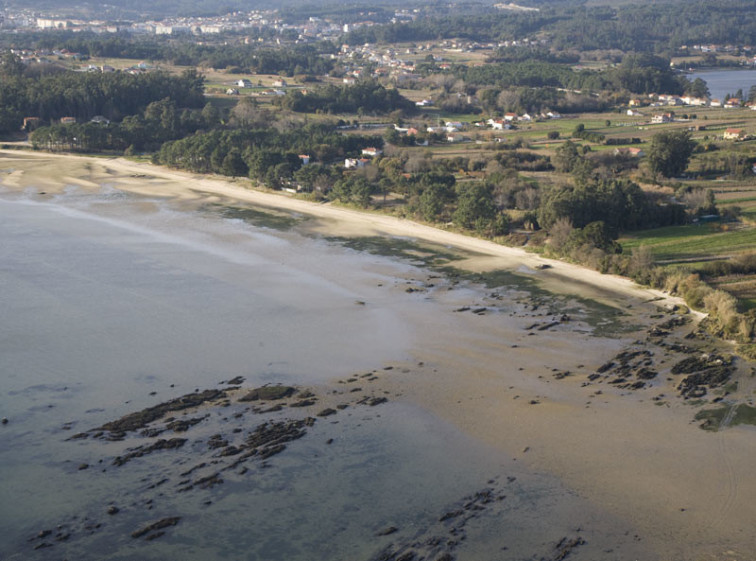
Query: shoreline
x,y
346,222
687,492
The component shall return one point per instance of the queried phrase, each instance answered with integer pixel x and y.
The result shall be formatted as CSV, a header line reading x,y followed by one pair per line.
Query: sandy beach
x,y
686,493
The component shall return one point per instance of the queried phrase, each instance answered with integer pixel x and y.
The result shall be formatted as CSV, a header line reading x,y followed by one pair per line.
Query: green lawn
x,y
736,201
692,241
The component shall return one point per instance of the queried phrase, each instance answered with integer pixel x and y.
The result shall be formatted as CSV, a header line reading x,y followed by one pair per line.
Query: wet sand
x,y
687,493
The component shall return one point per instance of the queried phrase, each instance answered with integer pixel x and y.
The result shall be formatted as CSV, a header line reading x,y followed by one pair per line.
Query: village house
x,y
305,158
244,83
670,99
629,151
697,101
67,120
354,163
663,118
372,152
30,123
733,134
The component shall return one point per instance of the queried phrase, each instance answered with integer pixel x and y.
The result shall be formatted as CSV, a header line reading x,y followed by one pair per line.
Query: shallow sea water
x,y
108,297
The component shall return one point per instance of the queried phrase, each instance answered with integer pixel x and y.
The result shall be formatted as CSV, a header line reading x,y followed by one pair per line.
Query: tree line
x,y
364,97
637,74
85,95
241,58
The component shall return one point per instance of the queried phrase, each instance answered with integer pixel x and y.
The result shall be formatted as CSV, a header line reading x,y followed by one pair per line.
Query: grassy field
x,y
693,243
695,247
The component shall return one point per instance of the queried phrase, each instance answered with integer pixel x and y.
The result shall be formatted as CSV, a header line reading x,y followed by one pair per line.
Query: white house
x,y
733,134
662,118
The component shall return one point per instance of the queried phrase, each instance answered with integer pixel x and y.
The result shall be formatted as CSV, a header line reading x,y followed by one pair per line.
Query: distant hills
x,y
133,8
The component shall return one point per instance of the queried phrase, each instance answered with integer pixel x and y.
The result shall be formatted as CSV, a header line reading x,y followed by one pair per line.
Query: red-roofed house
x,y
733,134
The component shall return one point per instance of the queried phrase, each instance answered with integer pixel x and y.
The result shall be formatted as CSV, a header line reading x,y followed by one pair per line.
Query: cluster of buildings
x,y
723,49
368,60
25,20
313,29
42,56
688,100
453,130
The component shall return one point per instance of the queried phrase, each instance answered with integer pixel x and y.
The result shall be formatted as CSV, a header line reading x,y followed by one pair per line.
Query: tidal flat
x,y
432,413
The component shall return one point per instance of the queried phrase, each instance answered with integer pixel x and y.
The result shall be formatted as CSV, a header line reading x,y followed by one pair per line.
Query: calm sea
x,y
723,82
113,302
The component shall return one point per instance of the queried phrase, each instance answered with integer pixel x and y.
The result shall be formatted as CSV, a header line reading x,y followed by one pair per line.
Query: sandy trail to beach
x,y
687,493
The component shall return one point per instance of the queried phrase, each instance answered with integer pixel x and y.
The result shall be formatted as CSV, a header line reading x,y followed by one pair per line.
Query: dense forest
x,y
636,74
365,97
265,154
83,95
